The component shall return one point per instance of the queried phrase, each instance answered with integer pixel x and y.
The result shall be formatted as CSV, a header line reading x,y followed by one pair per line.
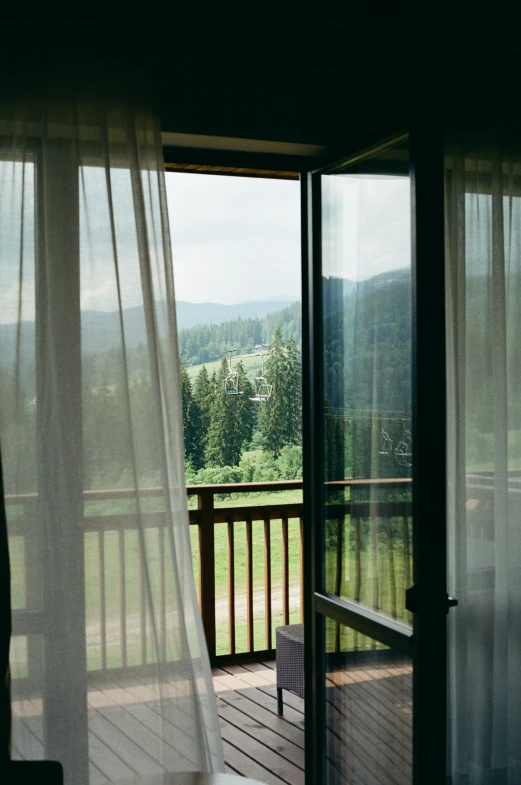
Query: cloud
x,y
234,238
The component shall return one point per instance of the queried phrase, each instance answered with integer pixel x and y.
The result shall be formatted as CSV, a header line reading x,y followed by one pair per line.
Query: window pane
x,y
368,418
368,710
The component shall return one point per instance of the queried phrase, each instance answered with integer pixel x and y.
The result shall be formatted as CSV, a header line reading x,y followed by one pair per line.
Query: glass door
x,y
375,447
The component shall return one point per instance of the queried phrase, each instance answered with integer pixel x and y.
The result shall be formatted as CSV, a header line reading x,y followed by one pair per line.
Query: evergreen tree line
x,y
209,342
367,382
218,427
367,363
197,345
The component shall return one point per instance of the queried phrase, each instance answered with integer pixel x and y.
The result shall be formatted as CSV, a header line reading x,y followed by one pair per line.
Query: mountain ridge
x,y
101,329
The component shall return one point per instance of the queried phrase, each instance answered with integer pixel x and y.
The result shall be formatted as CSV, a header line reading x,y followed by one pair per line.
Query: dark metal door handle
x,y
417,602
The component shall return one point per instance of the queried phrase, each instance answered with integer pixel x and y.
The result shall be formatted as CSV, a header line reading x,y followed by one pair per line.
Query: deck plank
x,y
146,718
268,719
110,764
267,673
267,736
228,682
290,699
258,752
367,746
96,777
28,744
250,677
377,706
134,756
247,767
269,702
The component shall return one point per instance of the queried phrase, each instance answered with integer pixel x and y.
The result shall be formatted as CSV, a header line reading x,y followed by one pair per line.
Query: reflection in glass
x,y
366,259
368,714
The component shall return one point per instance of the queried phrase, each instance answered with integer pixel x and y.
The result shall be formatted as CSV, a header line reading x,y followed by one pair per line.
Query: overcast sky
x,y
234,238
366,225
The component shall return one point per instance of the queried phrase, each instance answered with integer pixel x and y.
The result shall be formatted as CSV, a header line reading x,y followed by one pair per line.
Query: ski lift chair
x,y
231,384
387,444
231,381
403,450
262,387
262,390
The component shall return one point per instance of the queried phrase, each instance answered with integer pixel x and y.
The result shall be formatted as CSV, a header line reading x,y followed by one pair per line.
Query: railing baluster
x,y
285,571
392,576
358,574
231,587
249,586
162,593
33,587
142,604
358,566
103,612
205,503
374,558
122,597
267,583
339,571
301,523
406,557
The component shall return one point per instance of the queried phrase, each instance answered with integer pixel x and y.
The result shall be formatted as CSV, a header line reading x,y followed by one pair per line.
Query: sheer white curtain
x,y
483,208
110,670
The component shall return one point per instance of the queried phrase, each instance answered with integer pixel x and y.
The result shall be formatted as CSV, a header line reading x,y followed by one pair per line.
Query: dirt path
x,y
133,625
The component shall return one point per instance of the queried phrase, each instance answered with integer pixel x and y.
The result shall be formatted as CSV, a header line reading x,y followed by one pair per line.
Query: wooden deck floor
x,y
125,723
257,742
368,718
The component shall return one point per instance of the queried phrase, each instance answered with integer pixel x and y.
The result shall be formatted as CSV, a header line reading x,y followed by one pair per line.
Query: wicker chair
x,y
290,661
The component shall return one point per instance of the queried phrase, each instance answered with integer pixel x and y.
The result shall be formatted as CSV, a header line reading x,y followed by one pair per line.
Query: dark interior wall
x,y
320,80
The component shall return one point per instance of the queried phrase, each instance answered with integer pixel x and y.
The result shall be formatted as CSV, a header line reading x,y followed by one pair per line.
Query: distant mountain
x,y
100,329
283,298
383,279
192,314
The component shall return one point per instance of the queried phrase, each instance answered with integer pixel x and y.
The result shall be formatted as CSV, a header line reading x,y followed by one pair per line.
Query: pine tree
x,y
245,411
273,415
191,422
281,415
293,394
231,425
217,451
204,394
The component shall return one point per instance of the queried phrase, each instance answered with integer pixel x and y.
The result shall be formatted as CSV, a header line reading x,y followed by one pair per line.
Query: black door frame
x,y
428,600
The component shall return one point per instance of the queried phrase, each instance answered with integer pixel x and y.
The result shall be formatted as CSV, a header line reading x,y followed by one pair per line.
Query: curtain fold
x,y
110,670
5,632
483,212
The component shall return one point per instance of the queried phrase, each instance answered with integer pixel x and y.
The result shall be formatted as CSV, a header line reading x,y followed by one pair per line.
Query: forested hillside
x,y
101,334
367,362
209,342
367,385
197,345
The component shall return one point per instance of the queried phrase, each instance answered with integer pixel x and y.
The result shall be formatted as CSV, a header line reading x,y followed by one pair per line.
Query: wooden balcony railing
x,y
254,544
207,517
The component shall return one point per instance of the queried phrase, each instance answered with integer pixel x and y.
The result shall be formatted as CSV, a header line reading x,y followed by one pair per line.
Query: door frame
x,y
428,599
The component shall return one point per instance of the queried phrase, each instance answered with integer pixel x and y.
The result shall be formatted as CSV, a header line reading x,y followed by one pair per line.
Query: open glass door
x,y
375,448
